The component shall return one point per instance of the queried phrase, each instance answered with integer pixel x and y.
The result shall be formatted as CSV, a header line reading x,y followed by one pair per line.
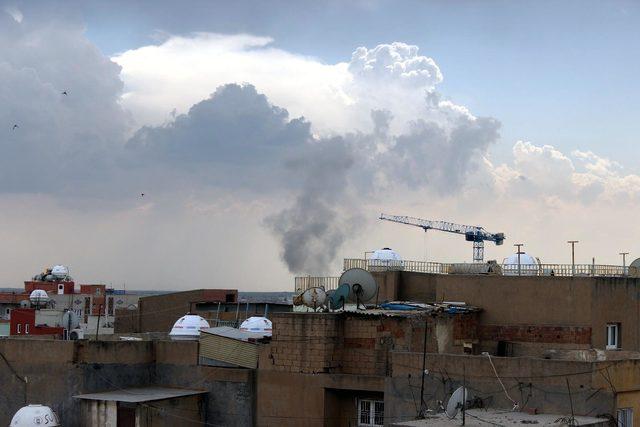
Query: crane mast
x,y
472,233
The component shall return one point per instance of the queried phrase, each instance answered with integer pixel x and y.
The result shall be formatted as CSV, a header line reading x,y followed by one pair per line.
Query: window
x,y
26,328
19,328
625,417
370,412
613,336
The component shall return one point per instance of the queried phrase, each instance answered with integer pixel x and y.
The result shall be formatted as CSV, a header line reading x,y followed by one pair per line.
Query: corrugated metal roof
x,y
229,350
140,394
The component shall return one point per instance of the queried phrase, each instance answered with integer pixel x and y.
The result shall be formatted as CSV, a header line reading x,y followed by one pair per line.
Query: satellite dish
x,y
70,320
457,399
339,296
362,285
314,297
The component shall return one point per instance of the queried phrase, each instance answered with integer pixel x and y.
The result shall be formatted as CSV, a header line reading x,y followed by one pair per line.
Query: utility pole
x,y
624,262
519,246
573,256
464,393
423,405
98,325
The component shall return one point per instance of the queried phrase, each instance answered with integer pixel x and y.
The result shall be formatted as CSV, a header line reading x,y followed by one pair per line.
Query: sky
x,y
268,136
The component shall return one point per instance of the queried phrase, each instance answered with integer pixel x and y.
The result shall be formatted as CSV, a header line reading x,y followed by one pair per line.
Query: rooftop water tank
x,y
60,271
529,266
386,254
39,298
188,327
34,415
385,258
257,324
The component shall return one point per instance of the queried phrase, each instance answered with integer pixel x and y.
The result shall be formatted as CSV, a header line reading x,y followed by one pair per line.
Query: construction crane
x,y
472,233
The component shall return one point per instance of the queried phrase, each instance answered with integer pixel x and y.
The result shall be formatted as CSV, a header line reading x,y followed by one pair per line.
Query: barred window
x,y
370,413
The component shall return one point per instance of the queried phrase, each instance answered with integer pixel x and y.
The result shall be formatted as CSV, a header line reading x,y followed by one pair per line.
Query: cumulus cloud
x,y
578,176
65,138
234,130
395,63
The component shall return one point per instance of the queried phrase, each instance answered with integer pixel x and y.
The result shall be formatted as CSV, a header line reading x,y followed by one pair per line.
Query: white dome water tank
x,y
59,271
257,324
35,415
385,258
529,266
39,298
386,254
188,327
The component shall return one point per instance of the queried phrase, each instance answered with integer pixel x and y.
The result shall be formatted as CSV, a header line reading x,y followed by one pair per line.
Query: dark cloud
x,y
236,141
63,143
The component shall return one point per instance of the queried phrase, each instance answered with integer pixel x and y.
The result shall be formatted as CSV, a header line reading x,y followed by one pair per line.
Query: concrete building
x,y
143,407
159,312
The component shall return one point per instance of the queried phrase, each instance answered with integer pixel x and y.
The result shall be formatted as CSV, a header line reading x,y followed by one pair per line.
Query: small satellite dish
x,y
70,320
457,399
339,296
362,285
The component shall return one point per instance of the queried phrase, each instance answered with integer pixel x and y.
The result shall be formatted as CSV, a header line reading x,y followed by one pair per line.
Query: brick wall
x,y
536,333
351,343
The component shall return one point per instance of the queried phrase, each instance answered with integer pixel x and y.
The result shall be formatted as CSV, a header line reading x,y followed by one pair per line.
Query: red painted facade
x,y
23,323
30,286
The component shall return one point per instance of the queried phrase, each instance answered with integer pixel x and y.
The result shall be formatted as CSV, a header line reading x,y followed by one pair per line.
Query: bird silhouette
x,y
15,127
141,194
65,93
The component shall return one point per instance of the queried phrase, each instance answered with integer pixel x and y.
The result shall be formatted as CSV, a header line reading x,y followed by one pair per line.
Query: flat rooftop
x,y
501,417
140,394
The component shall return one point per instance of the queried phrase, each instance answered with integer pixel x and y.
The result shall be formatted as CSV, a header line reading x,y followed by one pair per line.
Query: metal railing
x,y
564,270
561,270
382,265
305,282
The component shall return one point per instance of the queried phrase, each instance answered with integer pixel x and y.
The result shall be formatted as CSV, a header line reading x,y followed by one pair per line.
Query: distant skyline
x,y
267,136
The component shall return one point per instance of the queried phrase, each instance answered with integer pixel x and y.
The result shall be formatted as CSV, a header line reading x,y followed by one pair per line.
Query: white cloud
x,y
335,98
15,13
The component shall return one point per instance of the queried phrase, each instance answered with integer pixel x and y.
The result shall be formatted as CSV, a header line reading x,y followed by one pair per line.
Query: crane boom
x,y
472,233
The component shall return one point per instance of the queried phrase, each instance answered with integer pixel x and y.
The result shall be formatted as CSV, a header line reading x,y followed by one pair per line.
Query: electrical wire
x,y
515,404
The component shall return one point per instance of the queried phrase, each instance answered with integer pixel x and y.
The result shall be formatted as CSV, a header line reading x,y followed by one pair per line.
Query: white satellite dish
x,y
457,399
362,285
70,320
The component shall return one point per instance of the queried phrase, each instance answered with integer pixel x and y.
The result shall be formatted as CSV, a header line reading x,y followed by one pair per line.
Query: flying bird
x,y
141,194
15,127
65,93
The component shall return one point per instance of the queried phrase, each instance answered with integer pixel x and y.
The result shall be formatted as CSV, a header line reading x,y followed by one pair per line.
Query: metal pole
x,y
98,325
519,246
464,393
573,256
266,311
218,314
624,262
237,313
424,367
246,312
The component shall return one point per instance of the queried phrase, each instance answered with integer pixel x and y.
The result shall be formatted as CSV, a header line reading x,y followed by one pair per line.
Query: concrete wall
x,y
158,313
293,399
580,306
536,384
57,370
